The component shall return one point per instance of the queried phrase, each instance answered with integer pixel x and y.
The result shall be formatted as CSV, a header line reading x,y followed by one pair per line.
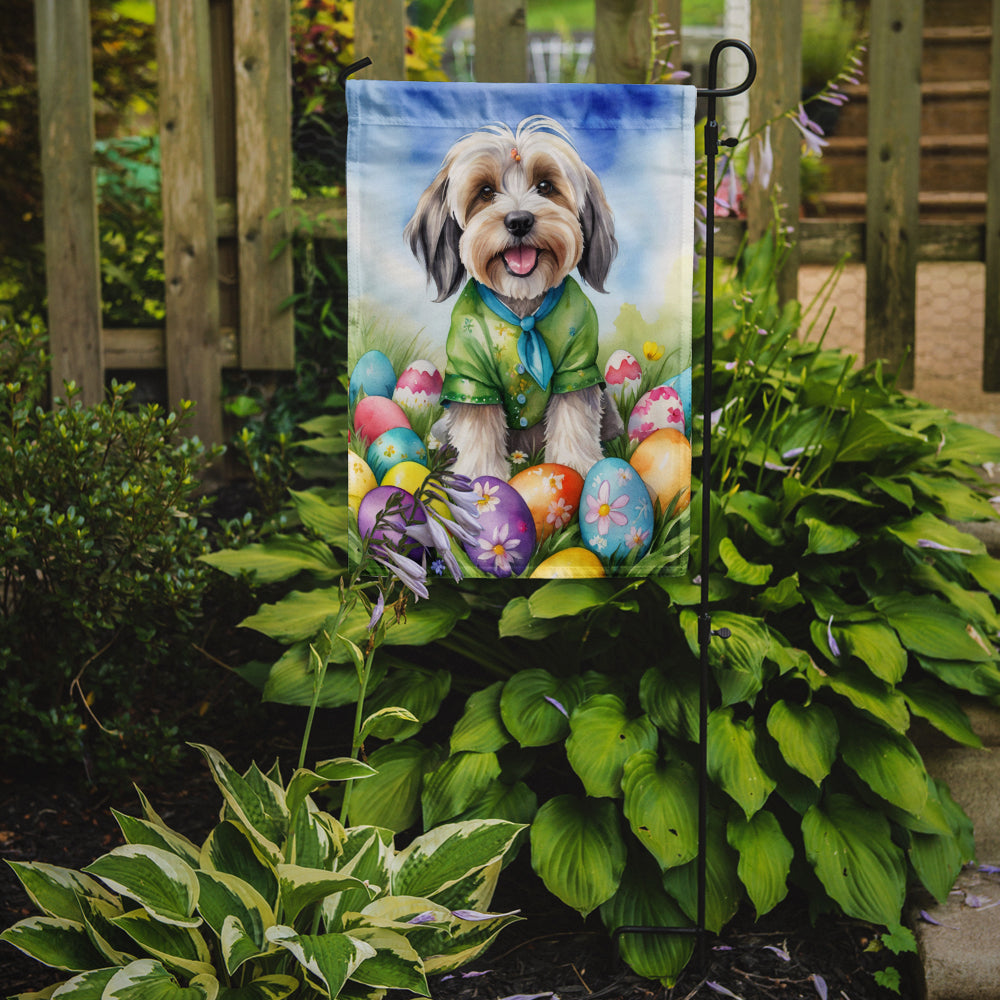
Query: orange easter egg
x,y
570,564
552,493
663,461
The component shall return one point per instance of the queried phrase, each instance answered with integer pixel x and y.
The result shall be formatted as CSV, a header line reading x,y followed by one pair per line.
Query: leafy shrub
x,y
854,604
279,899
99,540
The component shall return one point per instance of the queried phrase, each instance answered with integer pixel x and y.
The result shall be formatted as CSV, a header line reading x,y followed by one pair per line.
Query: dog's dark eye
x,y
544,187
486,192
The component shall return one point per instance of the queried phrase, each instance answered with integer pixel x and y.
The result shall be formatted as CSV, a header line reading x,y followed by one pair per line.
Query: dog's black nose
x,y
519,223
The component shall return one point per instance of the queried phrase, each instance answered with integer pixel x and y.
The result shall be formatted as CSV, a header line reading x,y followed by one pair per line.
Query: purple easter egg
x,y
506,529
383,515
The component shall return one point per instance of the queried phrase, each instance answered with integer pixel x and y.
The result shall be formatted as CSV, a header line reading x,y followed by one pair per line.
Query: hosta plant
x,y
279,900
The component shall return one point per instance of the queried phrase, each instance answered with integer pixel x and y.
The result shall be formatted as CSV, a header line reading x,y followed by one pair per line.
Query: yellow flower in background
x,y
652,350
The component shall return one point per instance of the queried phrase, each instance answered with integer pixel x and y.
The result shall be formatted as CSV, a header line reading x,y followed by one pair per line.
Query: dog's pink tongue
x,y
521,259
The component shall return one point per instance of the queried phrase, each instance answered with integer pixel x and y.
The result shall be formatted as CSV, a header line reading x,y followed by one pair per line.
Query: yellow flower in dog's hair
x,y
652,351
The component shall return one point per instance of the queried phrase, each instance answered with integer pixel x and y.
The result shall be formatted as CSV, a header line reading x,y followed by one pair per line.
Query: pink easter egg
x,y
374,415
419,386
659,409
622,374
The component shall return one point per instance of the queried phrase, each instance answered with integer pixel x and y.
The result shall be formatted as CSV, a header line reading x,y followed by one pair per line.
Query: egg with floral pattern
x,y
419,386
383,515
657,409
616,512
373,375
622,374
400,444
552,493
506,538
374,415
574,563
360,480
663,460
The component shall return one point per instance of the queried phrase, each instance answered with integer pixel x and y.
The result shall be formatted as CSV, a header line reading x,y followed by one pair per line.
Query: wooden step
x,y
956,53
945,12
946,162
957,206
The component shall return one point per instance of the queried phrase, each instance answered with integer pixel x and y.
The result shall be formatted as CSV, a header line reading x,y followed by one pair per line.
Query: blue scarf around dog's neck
x,y
531,347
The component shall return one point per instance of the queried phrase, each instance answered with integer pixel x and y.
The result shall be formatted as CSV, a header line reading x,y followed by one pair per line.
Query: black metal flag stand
x,y
705,630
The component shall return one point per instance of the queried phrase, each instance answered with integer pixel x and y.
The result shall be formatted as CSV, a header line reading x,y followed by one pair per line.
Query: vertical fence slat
x,y
72,257
893,183
261,57
380,34
991,333
776,34
622,40
501,41
190,253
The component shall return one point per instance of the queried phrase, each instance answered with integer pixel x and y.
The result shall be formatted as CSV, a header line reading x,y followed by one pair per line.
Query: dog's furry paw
x,y
573,429
479,435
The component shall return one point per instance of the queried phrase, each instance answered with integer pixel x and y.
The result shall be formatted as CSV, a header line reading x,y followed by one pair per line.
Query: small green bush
x,y
99,578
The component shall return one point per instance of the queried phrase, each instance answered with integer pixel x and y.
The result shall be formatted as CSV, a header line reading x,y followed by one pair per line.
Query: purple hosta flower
x,y
557,704
377,612
427,917
719,988
831,642
498,549
411,574
820,983
812,134
780,952
760,166
606,511
475,915
927,543
728,195
432,535
465,975
989,869
457,494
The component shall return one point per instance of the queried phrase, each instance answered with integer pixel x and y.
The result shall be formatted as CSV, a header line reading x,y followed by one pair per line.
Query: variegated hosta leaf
x,y
177,947
468,939
475,891
56,891
225,897
147,979
723,889
642,902
329,959
535,706
661,800
54,941
315,838
732,760
116,946
456,784
481,727
602,737
141,831
395,964
86,986
300,887
367,853
850,847
304,782
807,736
230,849
441,857
578,851
256,801
158,880
765,858
275,987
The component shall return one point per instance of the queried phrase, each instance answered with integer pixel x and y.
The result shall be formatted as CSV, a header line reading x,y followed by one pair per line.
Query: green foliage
x,y
853,601
101,587
280,899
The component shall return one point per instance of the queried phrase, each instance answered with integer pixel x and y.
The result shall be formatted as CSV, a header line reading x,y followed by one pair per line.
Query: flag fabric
x,y
520,268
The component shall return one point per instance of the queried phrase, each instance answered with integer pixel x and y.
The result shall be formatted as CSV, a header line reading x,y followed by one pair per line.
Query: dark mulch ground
x,y
551,951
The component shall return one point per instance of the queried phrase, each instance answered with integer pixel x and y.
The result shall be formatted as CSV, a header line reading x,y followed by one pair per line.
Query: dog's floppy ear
x,y
599,243
433,235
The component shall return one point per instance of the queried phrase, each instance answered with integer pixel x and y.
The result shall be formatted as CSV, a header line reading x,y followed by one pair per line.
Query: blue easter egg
x,y
506,529
616,514
373,373
398,444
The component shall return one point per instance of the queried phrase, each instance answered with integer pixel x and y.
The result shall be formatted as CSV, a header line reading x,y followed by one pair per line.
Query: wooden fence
x,y
226,161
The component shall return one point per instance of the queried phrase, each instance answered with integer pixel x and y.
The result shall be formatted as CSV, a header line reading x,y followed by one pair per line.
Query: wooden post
x,y
262,61
893,183
380,34
991,333
623,37
501,41
190,254
72,255
776,35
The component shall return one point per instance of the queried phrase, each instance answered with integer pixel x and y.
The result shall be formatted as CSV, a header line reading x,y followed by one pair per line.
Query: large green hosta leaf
x,y
807,736
765,858
391,798
601,740
578,851
930,627
732,760
481,727
418,690
936,704
926,528
738,661
850,847
888,763
641,901
876,646
456,784
670,698
279,558
535,706
661,806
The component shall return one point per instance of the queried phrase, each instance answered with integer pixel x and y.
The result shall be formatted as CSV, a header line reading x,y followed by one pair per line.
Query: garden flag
x,y
520,265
